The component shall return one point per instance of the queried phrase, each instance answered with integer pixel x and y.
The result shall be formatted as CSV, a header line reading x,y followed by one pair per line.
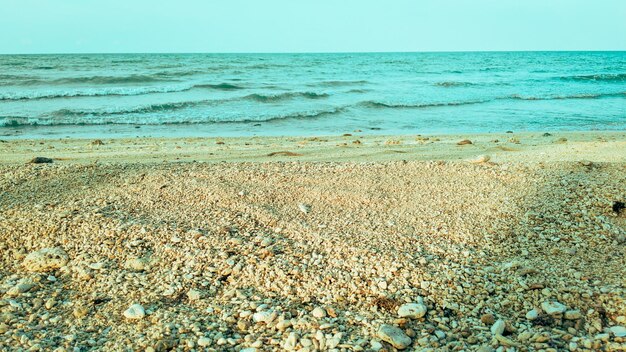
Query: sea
x,y
123,95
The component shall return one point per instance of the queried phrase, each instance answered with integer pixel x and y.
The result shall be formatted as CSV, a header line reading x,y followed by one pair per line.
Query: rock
x,y
204,342
249,349
80,312
136,264
553,307
97,142
135,311
291,342
46,259
618,331
266,242
193,295
40,160
261,317
319,312
412,310
498,327
305,208
573,315
464,142
376,345
487,319
23,286
394,335
481,159
532,314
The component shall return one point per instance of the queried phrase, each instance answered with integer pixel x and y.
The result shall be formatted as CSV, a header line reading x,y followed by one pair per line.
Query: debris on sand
x,y
40,160
284,153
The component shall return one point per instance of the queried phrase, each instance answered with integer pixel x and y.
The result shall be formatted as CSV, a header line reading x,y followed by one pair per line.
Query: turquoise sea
x,y
310,94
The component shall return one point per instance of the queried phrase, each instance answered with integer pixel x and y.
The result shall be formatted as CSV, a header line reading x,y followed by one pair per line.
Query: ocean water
x,y
310,94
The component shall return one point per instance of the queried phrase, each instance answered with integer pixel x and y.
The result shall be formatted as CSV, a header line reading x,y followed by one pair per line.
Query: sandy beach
x,y
490,242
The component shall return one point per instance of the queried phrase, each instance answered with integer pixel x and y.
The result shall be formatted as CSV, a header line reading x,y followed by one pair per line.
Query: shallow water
x,y
303,94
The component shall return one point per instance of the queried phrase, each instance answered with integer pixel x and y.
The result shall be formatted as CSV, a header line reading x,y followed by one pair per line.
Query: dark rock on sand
x,y
40,160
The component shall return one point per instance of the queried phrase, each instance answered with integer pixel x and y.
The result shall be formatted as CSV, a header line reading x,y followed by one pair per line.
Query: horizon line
x,y
309,52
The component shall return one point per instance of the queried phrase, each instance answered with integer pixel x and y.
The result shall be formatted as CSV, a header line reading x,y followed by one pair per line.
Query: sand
x,y
399,242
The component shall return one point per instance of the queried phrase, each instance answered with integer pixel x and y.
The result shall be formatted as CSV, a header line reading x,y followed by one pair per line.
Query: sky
x,y
130,26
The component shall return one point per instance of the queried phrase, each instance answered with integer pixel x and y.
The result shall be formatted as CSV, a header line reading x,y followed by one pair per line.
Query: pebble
x,y
464,142
481,159
498,327
291,342
532,314
46,259
487,319
618,331
22,287
204,342
135,311
394,335
136,264
261,317
193,295
305,208
572,315
553,307
412,310
319,312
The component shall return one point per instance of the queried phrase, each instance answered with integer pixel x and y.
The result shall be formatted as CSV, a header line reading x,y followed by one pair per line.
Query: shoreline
x,y
355,146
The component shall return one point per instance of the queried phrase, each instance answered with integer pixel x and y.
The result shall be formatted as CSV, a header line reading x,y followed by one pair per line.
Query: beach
x,y
348,242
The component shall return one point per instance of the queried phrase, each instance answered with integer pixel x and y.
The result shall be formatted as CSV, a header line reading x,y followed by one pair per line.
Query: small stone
x,y
97,142
248,349
464,142
40,160
46,259
50,303
261,317
291,342
204,342
136,264
394,335
618,331
412,310
319,312
376,345
498,327
193,295
487,319
573,315
553,307
532,314
481,159
80,312
135,311
305,208
22,287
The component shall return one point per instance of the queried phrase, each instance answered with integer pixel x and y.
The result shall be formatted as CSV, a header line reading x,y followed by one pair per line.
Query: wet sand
x,y
401,242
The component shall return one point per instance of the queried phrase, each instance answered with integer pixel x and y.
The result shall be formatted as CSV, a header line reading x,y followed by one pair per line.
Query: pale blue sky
x,y
70,26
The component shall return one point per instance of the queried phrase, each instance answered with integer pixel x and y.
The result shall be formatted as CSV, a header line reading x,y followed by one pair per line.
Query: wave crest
x,y
604,77
285,96
379,105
